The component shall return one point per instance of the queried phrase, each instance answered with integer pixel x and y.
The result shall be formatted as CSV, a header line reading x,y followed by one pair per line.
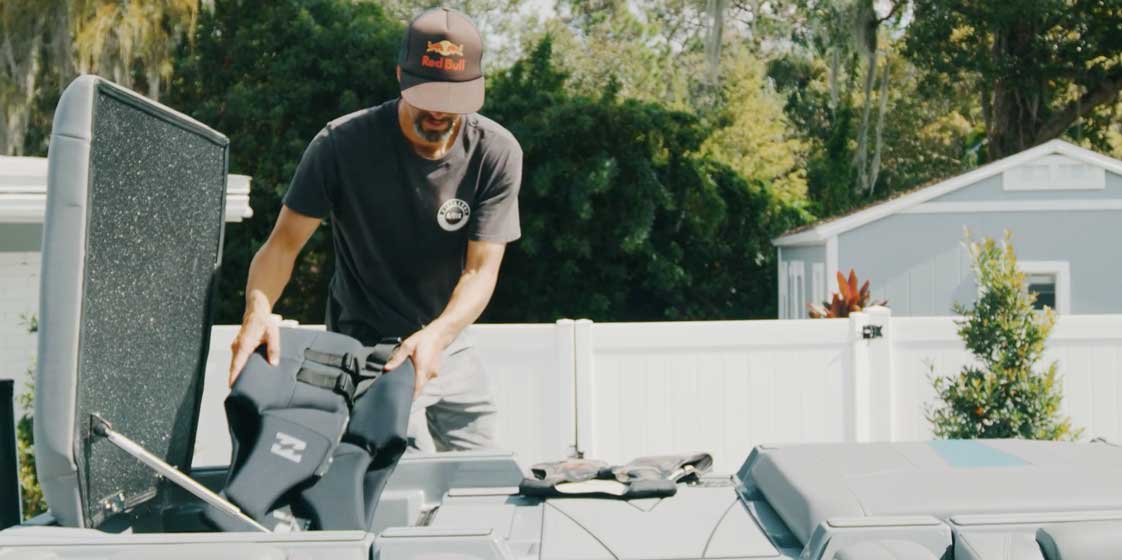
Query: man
x,y
422,193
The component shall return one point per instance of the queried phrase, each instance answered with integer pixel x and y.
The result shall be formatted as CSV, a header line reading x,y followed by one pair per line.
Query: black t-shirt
x,y
401,222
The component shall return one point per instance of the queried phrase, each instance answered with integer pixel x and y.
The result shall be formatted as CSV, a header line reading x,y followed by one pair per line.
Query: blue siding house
x,y
1062,203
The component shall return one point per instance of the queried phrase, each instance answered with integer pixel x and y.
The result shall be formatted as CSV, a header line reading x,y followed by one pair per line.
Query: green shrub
x,y
31,494
1002,395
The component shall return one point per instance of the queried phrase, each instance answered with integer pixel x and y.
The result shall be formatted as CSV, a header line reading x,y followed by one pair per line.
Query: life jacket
x,y
308,432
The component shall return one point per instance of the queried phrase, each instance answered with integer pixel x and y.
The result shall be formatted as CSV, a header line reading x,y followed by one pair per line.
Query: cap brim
x,y
442,97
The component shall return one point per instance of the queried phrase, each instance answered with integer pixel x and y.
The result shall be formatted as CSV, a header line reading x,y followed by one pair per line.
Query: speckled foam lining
x,y
132,240
155,221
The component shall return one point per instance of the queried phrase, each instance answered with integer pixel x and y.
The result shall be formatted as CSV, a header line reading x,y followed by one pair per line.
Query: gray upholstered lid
x,y
807,484
131,244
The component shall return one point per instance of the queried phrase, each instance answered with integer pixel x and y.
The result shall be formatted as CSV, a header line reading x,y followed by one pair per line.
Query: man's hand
x,y
425,347
477,282
258,327
268,273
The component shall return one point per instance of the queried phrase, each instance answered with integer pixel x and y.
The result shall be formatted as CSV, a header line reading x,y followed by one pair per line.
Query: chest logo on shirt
x,y
453,214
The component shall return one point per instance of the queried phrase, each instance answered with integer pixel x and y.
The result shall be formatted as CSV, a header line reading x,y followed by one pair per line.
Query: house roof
x,y
818,233
23,192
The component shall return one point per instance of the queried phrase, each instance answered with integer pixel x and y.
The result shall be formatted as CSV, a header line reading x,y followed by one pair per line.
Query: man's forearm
x,y
469,299
272,265
269,273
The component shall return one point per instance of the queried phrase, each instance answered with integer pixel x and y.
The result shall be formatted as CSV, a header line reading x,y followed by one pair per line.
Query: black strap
x,y
336,380
374,363
344,362
380,353
343,375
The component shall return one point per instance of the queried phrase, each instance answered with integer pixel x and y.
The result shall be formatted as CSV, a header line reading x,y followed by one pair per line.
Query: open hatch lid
x,y
131,246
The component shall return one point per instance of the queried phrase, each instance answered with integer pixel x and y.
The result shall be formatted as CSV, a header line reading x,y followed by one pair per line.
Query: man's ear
x,y
398,71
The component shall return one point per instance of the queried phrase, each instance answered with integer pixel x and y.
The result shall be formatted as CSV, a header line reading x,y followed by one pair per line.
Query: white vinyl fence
x,y
530,368
1087,349
615,391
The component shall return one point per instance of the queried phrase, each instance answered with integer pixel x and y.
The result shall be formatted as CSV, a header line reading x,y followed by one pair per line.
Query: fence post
x,y
10,506
563,390
871,390
585,395
857,427
882,376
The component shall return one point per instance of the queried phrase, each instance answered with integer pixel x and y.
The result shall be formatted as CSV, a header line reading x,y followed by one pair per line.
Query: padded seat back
x,y
884,550
980,545
131,245
1091,540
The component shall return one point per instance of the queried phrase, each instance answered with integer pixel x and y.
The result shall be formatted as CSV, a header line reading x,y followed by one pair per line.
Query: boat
x,y
132,247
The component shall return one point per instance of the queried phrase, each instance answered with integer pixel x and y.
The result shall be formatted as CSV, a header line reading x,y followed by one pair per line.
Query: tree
x,y
123,40
500,22
1002,395
623,218
910,138
819,73
752,133
270,76
612,44
45,44
654,51
842,31
926,138
23,25
1036,68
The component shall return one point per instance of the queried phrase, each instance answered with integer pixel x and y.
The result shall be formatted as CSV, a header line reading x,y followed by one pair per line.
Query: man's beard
x,y
433,136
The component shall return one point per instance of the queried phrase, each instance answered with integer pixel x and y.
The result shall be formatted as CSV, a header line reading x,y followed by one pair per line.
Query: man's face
x,y
431,126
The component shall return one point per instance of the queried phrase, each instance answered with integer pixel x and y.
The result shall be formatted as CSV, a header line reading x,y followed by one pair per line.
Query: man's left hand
x,y
425,347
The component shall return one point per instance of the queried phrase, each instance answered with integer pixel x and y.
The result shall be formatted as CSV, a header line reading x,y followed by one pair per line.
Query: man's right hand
x,y
258,327
268,273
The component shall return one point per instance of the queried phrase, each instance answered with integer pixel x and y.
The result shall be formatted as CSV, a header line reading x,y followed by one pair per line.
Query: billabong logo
x,y
453,214
445,48
288,447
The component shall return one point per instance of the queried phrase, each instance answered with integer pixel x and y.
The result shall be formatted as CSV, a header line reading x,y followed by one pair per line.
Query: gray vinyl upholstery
x,y
979,545
55,382
125,292
807,484
884,550
1089,540
697,522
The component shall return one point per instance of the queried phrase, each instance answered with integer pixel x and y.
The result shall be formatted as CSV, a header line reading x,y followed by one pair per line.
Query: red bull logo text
x,y
444,63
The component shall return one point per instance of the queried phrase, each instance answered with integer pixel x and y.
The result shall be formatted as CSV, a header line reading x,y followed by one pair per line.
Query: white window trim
x,y
782,287
796,273
818,282
831,262
1062,271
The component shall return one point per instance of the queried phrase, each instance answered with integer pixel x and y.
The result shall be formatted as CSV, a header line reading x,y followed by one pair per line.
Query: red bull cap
x,y
441,63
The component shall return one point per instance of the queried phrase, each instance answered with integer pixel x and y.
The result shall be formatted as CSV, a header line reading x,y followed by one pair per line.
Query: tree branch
x,y
1106,91
895,7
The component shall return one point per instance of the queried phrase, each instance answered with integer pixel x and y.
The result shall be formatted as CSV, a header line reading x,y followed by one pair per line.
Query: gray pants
x,y
454,411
